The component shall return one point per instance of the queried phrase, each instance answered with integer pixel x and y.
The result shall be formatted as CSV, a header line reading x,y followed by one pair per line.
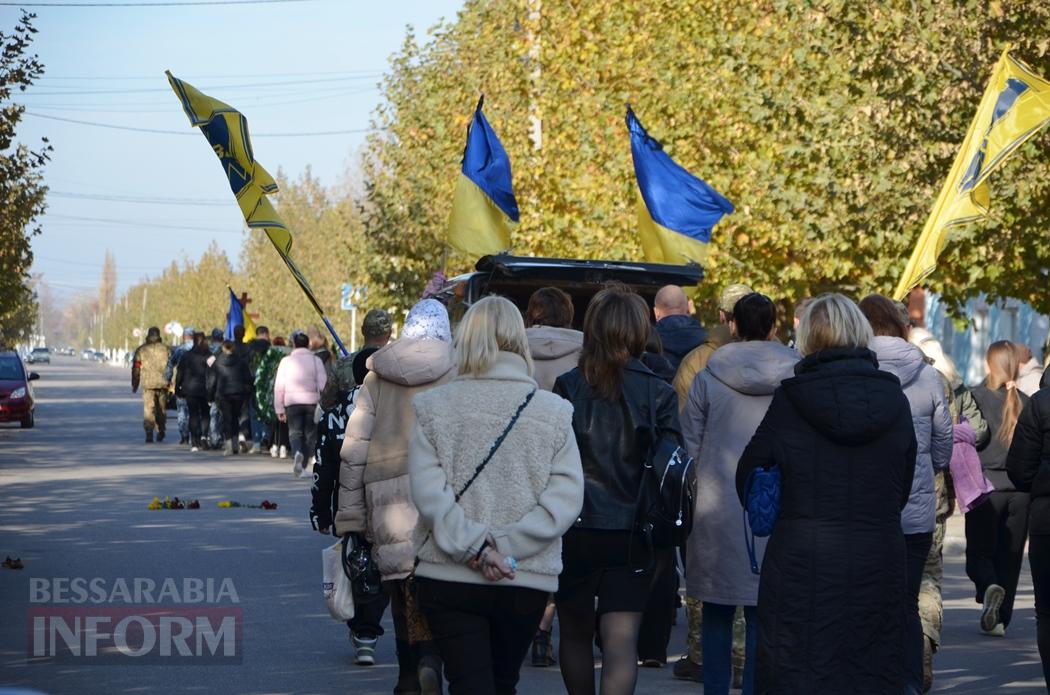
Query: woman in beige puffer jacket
x,y
375,498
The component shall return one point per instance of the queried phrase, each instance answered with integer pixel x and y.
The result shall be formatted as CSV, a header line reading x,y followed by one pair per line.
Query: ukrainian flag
x,y
676,210
237,316
1016,104
226,130
484,209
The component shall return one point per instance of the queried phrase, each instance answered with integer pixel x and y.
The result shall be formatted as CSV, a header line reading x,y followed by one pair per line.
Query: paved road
x,y
73,496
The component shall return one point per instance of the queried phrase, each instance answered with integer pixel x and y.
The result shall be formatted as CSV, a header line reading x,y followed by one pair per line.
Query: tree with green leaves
x,y
22,190
830,125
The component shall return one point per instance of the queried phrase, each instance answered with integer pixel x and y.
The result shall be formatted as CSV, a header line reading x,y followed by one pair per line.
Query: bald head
x,y
670,301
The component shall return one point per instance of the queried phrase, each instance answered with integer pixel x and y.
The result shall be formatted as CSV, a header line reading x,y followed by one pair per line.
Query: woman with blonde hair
x,y
996,529
495,474
831,596
617,403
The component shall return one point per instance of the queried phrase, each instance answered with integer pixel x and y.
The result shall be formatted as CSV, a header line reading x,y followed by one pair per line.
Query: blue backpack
x,y
761,507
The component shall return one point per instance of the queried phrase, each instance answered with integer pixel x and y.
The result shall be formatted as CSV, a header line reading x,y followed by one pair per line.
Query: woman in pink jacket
x,y
296,393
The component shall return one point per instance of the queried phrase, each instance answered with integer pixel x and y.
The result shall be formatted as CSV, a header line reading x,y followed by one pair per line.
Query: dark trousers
x,y
660,608
481,632
302,430
918,547
198,412
717,631
231,416
1039,559
368,616
995,535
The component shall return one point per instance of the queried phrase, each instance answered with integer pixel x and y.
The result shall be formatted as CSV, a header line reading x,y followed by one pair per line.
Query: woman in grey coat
x,y
924,389
726,403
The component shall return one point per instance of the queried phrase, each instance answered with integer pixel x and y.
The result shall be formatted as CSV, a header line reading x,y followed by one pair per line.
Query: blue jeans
x,y
215,426
259,428
717,638
183,414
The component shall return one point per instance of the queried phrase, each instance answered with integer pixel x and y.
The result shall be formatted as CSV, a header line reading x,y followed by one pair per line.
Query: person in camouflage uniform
x,y
148,368
376,329
961,404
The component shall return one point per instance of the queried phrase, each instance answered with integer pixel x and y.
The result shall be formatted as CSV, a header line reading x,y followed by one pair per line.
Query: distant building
x,y
1010,320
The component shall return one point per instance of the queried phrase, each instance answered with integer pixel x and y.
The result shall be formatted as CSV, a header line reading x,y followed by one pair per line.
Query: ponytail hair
x,y
1003,367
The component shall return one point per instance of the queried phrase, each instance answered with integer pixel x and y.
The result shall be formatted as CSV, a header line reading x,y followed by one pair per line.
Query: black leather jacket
x,y
613,437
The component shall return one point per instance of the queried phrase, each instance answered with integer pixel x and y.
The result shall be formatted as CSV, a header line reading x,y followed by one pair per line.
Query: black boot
x,y
407,666
543,649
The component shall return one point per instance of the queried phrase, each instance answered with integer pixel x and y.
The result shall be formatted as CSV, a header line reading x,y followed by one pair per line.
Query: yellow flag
x,y
226,130
1016,104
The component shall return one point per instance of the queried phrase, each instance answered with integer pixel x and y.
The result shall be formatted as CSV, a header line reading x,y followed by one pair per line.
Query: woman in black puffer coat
x,y
230,384
831,598
191,383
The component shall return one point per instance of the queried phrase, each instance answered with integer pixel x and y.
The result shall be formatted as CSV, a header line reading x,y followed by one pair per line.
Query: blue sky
x,y
293,67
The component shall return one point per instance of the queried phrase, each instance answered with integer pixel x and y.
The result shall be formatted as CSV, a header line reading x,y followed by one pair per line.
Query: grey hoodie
x,y
726,403
554,352
933,425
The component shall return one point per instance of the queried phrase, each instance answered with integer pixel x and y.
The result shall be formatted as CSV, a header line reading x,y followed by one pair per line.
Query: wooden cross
x,y
245,300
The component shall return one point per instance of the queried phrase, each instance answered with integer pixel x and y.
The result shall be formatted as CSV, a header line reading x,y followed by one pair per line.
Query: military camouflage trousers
x,y
694,643
154,417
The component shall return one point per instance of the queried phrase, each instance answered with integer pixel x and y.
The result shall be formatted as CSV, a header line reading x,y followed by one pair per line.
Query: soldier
x,y
148,368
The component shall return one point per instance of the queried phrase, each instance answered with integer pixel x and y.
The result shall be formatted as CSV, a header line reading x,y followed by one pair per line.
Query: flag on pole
x,y
237,316
484,209
226,130
1015,106
676,210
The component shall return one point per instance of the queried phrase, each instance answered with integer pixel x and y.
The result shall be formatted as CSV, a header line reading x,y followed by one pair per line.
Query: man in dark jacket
x,y
147,369
181,409
679,332
1028,465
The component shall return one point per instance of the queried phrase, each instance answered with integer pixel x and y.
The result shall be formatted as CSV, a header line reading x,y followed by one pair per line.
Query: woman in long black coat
x,y
831,599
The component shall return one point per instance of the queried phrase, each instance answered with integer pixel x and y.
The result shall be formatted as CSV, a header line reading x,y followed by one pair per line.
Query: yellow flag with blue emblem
x,y
226,130
1015,106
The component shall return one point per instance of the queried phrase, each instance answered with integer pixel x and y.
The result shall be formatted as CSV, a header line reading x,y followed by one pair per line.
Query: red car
x,y
16,393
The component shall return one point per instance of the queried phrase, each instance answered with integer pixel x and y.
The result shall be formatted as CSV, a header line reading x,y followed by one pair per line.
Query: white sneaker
x,y
364,650
283,452
273,451
297,466
193,448
243,444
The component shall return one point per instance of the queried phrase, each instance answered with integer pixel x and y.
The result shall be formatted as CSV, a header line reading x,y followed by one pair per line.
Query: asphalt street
x,y
73,504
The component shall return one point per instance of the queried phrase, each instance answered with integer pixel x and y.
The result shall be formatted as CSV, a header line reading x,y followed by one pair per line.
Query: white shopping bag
x,y
338,593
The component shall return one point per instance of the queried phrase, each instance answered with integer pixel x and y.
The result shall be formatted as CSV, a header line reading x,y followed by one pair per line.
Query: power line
x,y
182,132
183,3
151,200
213,77
254,103
142,90
140,223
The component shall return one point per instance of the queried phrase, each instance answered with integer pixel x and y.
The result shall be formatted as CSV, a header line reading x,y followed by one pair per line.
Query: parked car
x,y
100,357
16,391
87,354
517,277
39,355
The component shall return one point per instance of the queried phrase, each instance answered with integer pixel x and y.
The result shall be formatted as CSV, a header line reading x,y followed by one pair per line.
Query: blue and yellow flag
x,y
1016,104
226,130
237,316
676,210
484,209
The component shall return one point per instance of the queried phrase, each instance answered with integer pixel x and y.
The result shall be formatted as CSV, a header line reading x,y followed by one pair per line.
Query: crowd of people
x,y
490,478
